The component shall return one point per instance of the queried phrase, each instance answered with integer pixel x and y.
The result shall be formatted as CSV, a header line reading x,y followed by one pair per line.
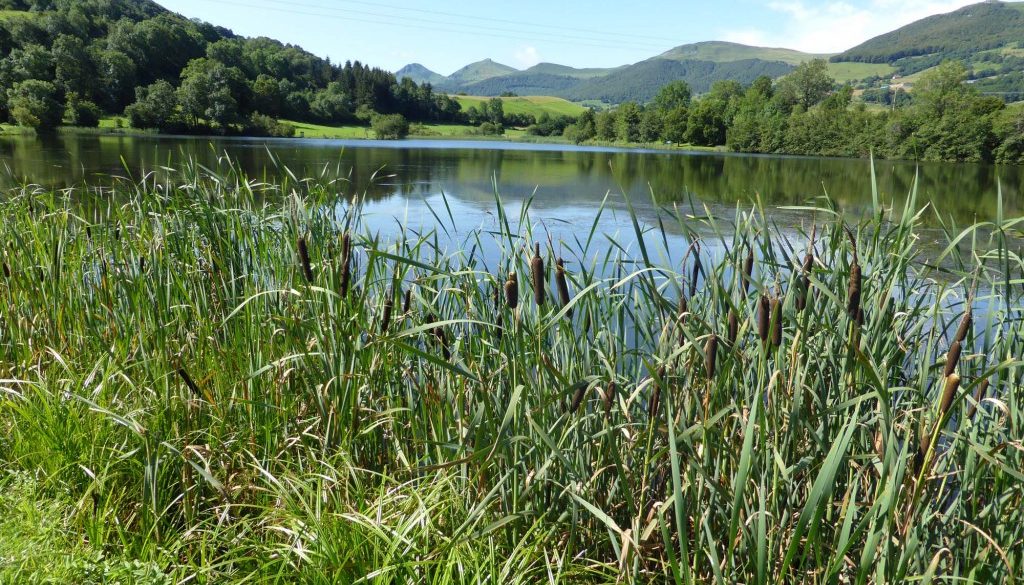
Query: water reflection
x,y
562,176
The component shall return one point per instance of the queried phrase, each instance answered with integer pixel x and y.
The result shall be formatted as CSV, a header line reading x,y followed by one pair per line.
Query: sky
x,y
445,35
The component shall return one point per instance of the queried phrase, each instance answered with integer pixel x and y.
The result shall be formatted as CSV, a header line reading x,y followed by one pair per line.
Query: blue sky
x,y
447,34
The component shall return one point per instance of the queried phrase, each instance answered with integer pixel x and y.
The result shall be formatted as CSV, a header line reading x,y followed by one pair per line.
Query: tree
x,y
628,122
942,89
495,111
673,96
332,105
808,84
211,91
34,104
389,127
81,112
155,106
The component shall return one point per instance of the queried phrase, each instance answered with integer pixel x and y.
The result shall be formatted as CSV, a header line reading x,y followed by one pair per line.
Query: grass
x,y
179,397
847,72
532,105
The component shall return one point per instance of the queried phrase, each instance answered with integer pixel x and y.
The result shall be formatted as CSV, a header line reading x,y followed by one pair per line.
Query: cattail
x,y
965,325
696,271
776,322
952,359
979,395
537,268
512,290
763,319
561,284
853,294
189,383
952,385
609,397
500,326
439,335
577,397
346,262
748,269
385,317
805,282
654,406
307,268
88,233
734,326
7,270
880,444
710,355
407,302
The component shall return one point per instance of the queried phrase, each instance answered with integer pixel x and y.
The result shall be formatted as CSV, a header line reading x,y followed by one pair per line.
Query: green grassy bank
x,y
218,380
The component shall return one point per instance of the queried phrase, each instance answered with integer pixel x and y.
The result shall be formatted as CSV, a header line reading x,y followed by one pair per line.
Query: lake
x,y
406,179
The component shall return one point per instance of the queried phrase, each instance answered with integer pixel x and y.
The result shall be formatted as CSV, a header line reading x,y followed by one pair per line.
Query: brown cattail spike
x,y
696,271
654,406
748,269
561,284
439,335
385,317
979,395
734,326
512,291
952,359
407,302
965,324
763,318
577,397
949,393
854,290
711,355
346,262
307,269
609,397
537,268
776,322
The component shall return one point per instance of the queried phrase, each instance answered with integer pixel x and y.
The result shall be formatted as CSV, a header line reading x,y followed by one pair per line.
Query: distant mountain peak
x,y
420,74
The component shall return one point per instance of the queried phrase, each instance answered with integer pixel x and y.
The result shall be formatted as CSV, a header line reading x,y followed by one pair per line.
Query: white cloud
x,y
834,26
526,56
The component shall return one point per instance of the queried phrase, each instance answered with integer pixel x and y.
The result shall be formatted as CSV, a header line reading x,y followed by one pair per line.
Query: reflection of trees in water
x,y
562,177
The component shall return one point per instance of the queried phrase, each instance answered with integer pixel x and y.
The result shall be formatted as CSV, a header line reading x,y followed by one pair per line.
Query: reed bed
x,y
206,378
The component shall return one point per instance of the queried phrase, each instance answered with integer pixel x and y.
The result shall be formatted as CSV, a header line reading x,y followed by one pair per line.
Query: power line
x,y
558,28
475,31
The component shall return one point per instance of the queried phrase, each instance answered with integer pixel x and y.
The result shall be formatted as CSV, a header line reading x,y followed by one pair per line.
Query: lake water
x,y
405,179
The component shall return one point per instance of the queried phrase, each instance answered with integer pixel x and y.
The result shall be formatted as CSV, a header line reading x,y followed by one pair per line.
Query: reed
x,y
325,440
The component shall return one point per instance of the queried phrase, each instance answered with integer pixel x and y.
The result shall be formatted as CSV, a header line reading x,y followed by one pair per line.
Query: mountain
x,y
700,65
723,52
970,34
420,74
479,71
988,38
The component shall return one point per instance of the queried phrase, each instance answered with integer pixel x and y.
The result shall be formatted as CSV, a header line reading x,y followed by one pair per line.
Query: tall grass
x,y
234,381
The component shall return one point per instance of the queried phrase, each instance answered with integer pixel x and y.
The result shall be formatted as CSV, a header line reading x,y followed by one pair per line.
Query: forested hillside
x,y
70,61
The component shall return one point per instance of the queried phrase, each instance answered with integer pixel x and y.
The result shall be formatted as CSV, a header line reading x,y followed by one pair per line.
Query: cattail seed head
x,y
979,395
346,262
609,397
561,284
577,397
776,306
537,268
711,355
949,393
952,359
512,291
748,269
7,270
439,336
385,317
696,271
763,318
965,325
734,326
407,302
307,268
853,295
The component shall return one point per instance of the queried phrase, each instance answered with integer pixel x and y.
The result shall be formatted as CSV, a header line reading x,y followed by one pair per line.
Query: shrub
x,y
389,127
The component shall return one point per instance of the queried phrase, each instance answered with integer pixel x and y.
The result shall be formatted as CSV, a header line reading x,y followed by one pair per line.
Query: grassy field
x,y
213,379
533,105
846,72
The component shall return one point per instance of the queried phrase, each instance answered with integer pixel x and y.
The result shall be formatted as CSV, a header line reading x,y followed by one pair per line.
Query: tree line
x,y
943,118
71,61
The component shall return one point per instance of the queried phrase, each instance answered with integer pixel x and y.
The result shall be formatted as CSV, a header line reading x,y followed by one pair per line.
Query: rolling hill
x,y
420,74
723,52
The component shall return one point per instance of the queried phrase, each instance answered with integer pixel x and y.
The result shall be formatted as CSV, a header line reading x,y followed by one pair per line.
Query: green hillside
x,y
959,34
531,105
566,71
724,52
